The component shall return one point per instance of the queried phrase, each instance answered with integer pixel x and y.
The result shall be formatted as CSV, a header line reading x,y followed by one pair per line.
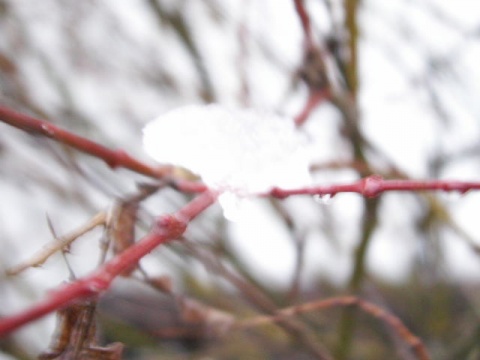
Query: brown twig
x,y
388,318
57,244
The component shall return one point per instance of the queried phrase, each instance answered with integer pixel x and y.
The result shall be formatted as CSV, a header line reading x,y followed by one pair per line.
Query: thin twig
x,y
345,301
305,21
58,244
167,228
373,186
298,329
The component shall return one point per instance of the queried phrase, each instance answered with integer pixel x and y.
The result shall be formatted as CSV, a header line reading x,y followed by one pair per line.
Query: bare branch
x,y
167,228
58,244
388,318
113,158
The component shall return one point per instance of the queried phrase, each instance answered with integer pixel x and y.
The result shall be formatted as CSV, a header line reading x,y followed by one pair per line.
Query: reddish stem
x,y
305,20
315,99
374,185
114,158
187,186
168,227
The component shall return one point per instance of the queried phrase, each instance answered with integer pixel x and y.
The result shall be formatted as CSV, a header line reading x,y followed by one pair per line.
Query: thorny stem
x,y
167,228
113,158
59,243
373,186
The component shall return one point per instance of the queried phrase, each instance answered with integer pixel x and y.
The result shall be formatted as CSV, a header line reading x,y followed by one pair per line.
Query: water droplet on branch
x,y
325,199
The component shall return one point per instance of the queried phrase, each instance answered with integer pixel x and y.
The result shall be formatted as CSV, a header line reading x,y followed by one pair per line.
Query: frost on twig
x,y
236,152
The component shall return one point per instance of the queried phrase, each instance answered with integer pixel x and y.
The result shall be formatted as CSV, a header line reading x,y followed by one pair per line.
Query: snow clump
x,y
238,152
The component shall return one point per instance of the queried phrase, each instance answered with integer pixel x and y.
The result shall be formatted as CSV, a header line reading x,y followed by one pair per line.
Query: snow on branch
x,y
240,153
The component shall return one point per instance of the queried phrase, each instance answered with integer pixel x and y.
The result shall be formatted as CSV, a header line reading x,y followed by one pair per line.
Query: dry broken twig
x,y
119,222
58,244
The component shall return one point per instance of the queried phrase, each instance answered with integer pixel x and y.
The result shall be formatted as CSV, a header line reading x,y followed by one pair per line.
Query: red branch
x,y
374,185
315,99
113,158
305,20
167,228
313,68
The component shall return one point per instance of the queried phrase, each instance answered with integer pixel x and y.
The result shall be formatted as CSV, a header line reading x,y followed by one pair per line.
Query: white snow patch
x,y
239,152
